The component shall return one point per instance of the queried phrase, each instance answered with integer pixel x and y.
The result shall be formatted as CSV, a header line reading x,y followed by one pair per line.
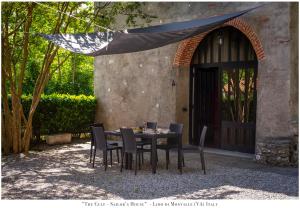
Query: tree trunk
x,y
12,114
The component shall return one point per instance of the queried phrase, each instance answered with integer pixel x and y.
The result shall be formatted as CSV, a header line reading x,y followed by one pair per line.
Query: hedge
x,y
58,113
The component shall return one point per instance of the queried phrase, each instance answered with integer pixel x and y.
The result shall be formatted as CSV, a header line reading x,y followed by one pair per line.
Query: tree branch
x,y
17,28
26,44
60,64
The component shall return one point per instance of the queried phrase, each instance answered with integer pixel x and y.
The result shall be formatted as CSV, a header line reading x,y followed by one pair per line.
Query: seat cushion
x,y
165,146
112,143
190,147
111,147
143,150
139,143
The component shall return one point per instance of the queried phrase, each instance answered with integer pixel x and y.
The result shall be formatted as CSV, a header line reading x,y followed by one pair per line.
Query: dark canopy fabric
x,y
139,39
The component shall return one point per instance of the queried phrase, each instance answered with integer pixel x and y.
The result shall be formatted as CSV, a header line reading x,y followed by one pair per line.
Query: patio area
x,y
64,172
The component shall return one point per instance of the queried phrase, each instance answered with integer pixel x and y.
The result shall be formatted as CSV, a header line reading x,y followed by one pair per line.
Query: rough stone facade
x,y
294,150
137,87
274,151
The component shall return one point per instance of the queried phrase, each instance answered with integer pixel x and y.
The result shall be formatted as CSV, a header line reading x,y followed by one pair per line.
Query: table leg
x,y
153,155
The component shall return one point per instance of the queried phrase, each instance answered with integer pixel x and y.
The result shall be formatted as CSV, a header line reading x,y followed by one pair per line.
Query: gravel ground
x,y
63,172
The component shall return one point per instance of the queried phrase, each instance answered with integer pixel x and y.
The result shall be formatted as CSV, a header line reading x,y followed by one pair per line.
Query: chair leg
x,y
151,156
94,157
118,155
183,160
140,161
105,159
202,162
167,158
135,170
110,152
122,158
130,158
91,152
142,147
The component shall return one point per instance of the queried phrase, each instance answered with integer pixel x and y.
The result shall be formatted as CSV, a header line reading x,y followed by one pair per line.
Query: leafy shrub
x,y
61,112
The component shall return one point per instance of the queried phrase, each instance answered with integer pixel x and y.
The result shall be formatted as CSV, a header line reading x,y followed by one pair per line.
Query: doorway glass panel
x,y
238,95
238,109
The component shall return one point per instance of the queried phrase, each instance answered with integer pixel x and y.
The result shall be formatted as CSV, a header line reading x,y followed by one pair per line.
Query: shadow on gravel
x,y
64,172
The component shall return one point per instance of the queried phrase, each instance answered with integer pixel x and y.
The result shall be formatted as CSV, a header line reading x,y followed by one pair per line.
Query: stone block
x,y
58,139
274,151
294,149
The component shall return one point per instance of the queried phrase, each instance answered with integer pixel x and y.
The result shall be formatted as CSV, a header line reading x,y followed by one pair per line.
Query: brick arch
x,y
186,48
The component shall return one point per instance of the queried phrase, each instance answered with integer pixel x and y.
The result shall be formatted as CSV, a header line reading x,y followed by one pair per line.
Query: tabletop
x,y
146,133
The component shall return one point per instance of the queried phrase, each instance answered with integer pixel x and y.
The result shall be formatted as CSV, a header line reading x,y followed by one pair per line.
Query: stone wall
x,y
275,96
294,151
294,97
278,151
137,87
132,88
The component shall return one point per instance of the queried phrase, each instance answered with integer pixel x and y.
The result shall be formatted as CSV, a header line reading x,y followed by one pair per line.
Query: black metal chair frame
x,y
92,139
101,144
130,147
201,148
172,143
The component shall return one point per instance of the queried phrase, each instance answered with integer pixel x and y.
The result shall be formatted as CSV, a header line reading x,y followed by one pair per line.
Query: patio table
x,y
154,136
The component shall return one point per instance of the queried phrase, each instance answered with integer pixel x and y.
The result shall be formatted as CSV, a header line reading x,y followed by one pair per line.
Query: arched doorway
x,y
223,77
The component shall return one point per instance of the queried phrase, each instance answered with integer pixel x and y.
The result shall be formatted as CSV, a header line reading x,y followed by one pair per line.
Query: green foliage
x,y
29,62
132,13
75,75
62,112
31,73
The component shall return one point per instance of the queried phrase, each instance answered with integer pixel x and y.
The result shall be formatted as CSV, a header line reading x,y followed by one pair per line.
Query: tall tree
x,y
20,20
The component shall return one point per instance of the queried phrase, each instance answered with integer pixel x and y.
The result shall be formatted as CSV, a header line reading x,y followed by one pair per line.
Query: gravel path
x,y
63,172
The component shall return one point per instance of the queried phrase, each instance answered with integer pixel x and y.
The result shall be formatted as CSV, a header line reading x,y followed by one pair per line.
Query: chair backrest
x,y
99,137
151,125
178,128
96,125
202,137
129,143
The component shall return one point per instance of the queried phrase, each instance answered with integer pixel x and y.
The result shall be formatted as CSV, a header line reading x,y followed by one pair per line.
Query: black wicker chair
x,y
92,139
101,144
171,142
145,141
130,147
200,148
